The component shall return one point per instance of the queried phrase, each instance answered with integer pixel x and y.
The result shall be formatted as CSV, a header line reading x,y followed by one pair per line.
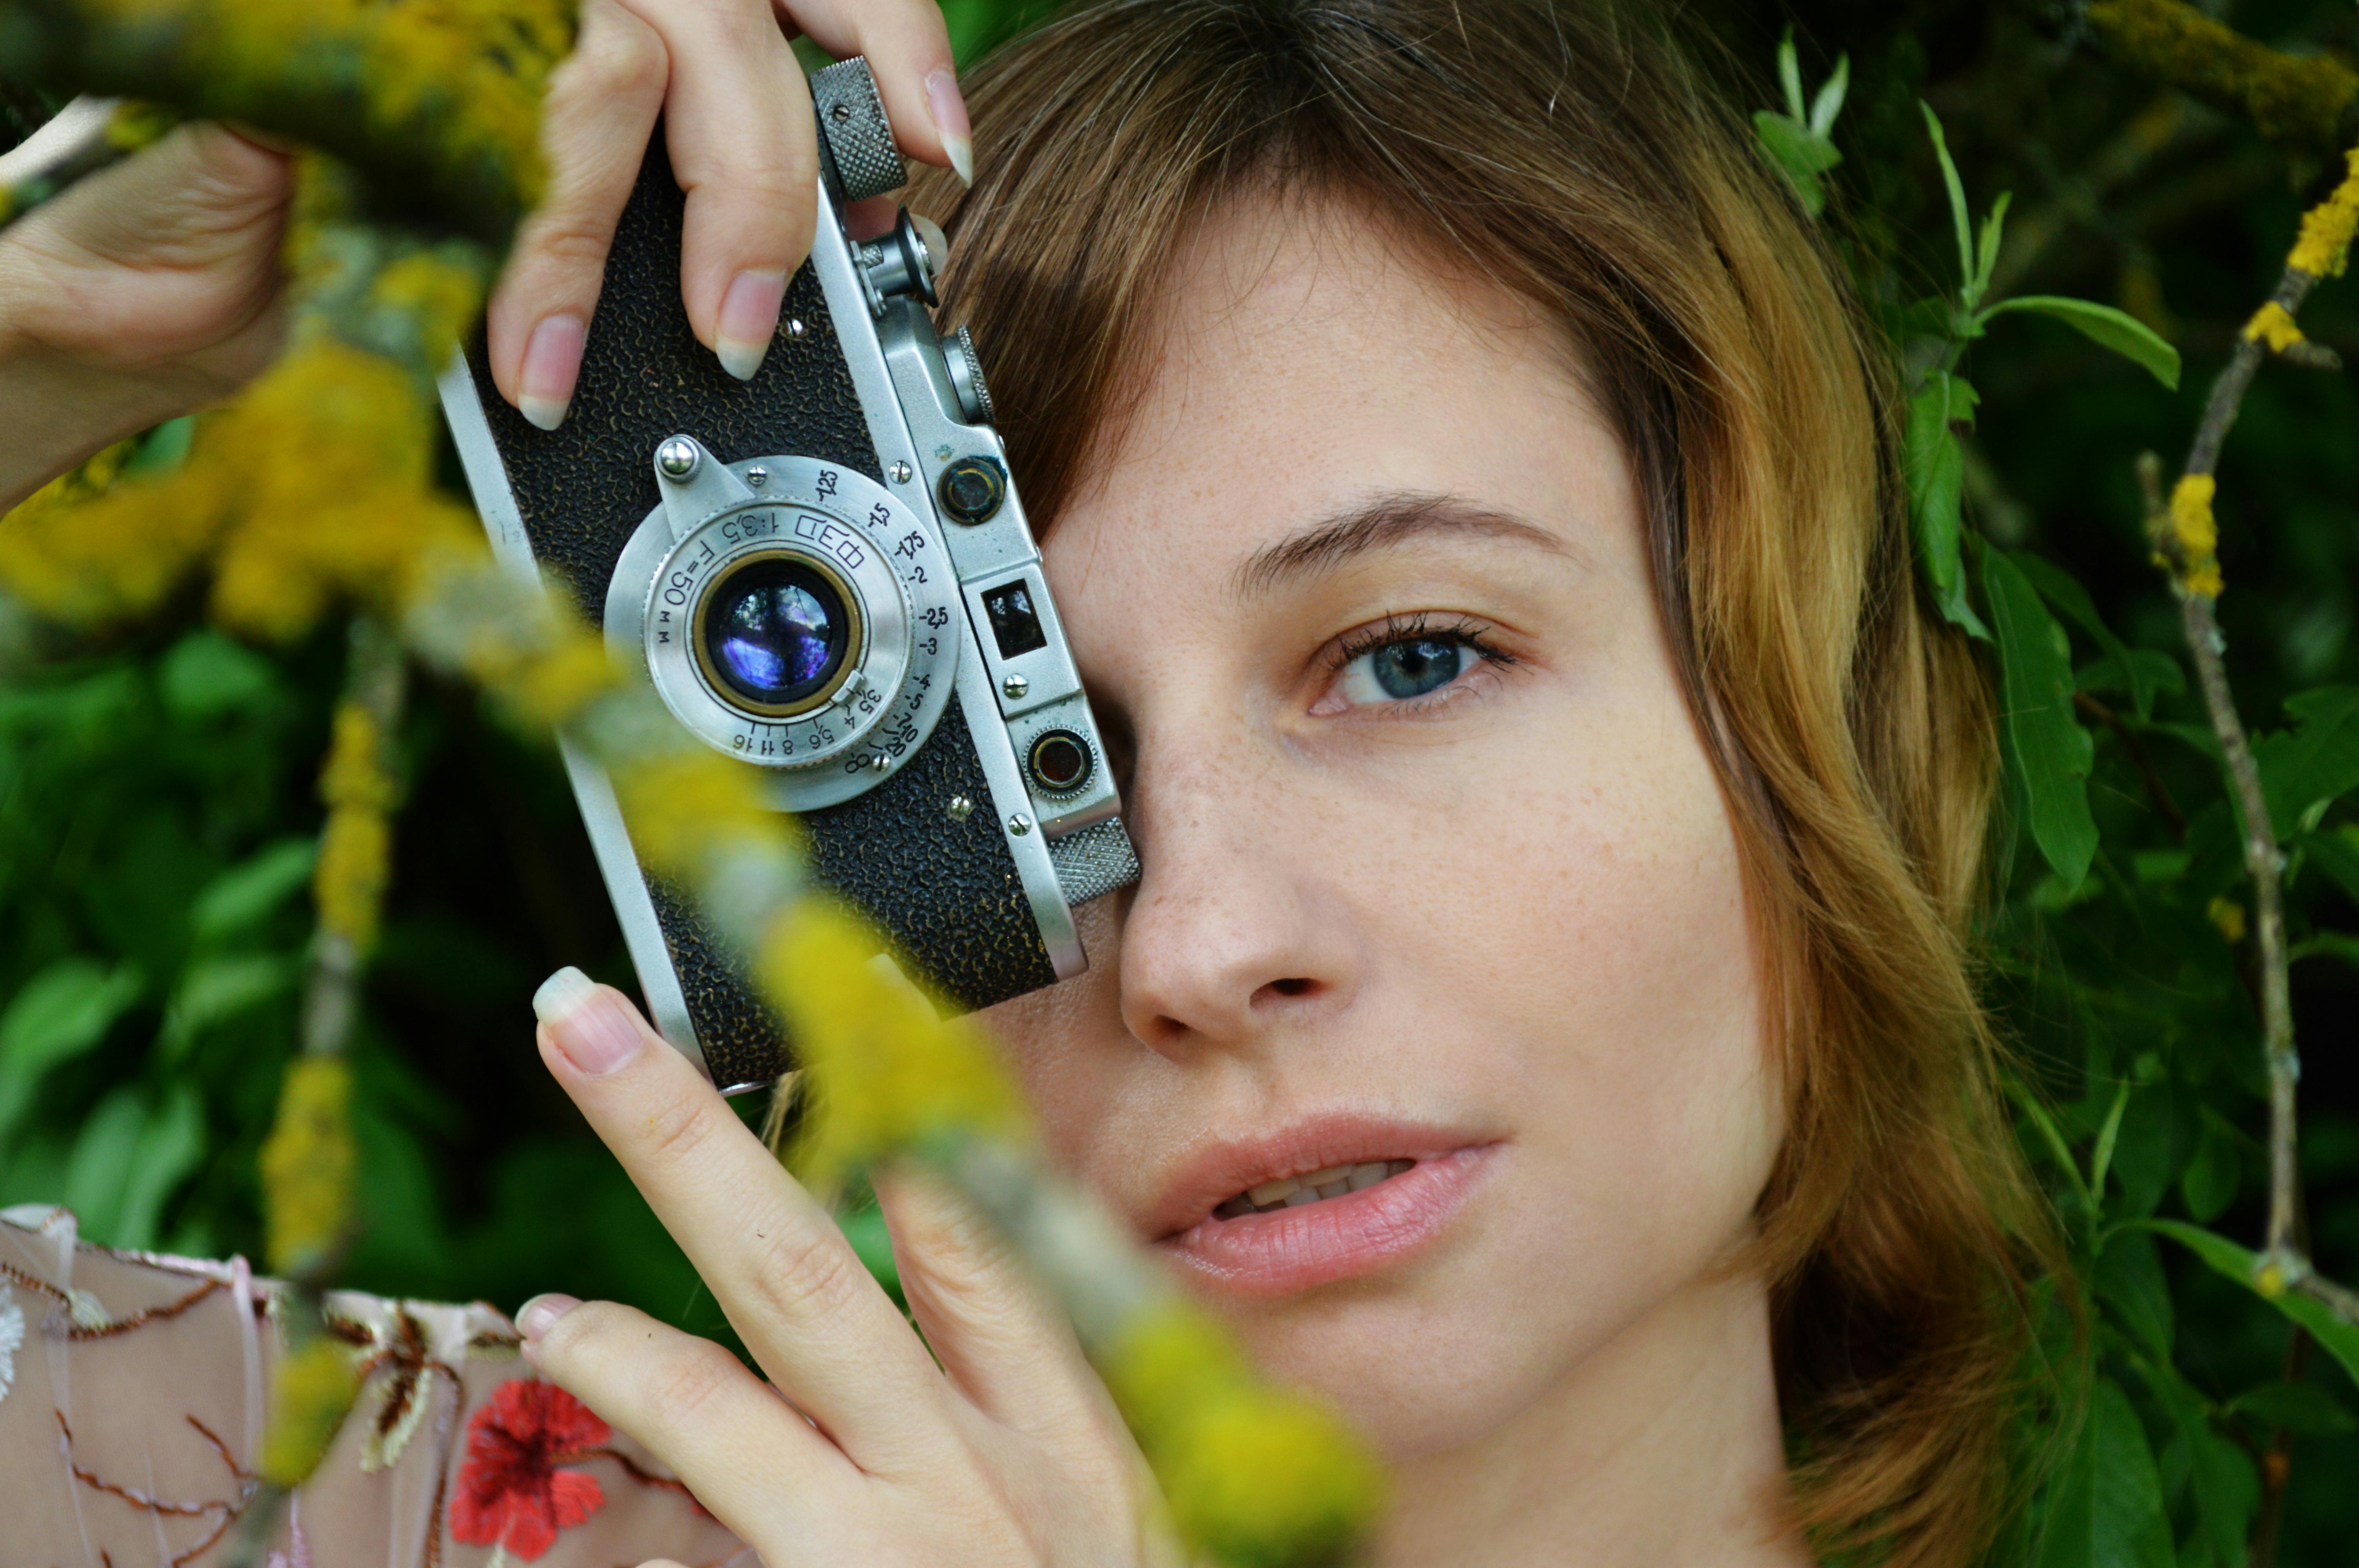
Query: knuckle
x,y
684,1387
805,1277
674,1128
627,59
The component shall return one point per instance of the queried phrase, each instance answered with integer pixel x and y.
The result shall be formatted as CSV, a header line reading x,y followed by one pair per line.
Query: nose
x,y
1232,936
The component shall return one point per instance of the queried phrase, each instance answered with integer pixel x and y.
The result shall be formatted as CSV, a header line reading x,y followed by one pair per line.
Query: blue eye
x,y
1405,668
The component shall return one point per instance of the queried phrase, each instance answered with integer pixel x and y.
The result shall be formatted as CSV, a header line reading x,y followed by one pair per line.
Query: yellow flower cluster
x,y
2195,537
451,85
882,1071
315,487
308,1165
310,1390
2272,325
1255,1477
2323,247
356,846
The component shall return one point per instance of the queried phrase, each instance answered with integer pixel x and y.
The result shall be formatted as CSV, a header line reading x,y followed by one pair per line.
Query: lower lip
x,y
1292,1249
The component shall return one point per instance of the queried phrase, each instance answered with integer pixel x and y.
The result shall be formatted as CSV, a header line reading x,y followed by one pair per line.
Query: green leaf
x,y
128,1161
2297,1407
2147,672
2313,762
2102,324
2340,1339
2107,1508
1935,467
167,1153
58,1014
2226,1489
1799,156
2143,1156
206,675
2062,590
252,889
1829,100
2209,1182
2052,751
1957,190
1789,73
1986,248
211,989
2337,854
2128,1278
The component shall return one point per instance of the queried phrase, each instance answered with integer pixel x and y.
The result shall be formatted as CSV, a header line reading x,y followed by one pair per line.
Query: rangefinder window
x,y
1014,623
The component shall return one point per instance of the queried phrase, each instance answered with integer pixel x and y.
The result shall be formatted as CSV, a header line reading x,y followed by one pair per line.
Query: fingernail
x,y
948,108
749,319
592,1025
552,363
538,1315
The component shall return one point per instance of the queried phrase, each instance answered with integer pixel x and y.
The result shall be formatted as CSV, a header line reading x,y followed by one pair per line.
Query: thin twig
x,y
2264,859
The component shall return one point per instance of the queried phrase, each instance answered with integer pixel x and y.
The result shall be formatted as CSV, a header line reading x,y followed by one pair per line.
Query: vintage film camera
x,y
824,571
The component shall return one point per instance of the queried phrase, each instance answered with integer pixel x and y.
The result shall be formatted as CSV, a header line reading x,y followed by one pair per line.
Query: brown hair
x,y
1571,155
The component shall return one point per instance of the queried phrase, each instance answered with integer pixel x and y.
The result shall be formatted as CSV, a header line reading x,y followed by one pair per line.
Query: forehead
x,y
1303,358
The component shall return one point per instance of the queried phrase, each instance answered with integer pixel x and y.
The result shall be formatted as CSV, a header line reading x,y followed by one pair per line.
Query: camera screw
x,y
757,476
899,473
1019,825
677,457
878,761
961,808
795,327
1016,686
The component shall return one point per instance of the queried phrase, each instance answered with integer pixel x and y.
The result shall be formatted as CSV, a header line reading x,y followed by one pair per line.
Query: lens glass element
x,y
775,632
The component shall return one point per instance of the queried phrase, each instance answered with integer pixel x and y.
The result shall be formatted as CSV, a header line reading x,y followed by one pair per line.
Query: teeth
x,y
1292,1192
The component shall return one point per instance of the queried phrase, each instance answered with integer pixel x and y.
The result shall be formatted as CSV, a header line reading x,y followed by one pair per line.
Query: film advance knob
x,y
859,137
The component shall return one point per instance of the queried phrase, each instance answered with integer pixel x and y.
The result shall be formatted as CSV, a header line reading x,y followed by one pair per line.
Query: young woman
x,y
1470,495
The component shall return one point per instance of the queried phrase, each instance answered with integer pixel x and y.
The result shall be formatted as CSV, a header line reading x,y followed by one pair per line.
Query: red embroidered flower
x,y
511,1493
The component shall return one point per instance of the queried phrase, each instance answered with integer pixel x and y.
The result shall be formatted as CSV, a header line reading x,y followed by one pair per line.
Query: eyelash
x,y
1462,630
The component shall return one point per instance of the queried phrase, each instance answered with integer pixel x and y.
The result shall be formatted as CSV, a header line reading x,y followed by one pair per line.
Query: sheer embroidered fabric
x,y
133,1388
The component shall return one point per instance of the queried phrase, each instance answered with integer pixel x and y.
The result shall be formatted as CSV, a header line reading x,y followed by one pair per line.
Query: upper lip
x,y
1219,1173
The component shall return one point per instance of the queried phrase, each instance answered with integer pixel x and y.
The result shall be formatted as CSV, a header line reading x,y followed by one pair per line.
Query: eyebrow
x,y
1384,521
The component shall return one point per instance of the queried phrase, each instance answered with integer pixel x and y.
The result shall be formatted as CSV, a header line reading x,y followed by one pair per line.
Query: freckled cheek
x,y
1616,972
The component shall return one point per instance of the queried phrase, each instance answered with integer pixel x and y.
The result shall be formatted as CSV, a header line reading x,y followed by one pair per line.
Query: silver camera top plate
x,y
910,620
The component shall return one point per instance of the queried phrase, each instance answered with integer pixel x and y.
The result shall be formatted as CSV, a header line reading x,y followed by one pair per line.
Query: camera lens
x,y
1061,762
775,633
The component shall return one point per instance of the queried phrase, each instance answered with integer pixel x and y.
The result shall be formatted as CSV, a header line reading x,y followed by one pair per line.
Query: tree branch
x,y
2306,103
2185,536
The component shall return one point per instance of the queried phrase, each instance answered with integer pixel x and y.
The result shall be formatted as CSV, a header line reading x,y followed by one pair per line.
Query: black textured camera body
x,y
947,891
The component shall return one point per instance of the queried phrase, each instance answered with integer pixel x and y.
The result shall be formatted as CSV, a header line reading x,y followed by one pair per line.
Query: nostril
x,y
1287,988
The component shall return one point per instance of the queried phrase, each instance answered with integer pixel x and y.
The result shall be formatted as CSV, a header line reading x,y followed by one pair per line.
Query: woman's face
x,y
1436,870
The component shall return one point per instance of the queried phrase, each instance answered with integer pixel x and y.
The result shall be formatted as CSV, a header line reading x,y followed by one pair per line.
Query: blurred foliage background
x,y
158,806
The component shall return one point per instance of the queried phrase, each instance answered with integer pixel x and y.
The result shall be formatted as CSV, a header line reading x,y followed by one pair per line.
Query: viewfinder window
x,y
1013,622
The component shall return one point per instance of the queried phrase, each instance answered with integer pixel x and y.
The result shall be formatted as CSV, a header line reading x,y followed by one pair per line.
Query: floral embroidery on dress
x,y
12,1337
396,1354
511,1495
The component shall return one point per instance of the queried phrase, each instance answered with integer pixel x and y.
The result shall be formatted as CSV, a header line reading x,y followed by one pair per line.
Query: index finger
x,y
797,1296
909,50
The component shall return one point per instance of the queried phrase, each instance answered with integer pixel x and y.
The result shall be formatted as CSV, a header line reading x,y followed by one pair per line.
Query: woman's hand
x,y
146,290
743,144
1008,1452
154,287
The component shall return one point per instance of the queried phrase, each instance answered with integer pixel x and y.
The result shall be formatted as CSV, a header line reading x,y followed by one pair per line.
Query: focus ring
x,y
859,137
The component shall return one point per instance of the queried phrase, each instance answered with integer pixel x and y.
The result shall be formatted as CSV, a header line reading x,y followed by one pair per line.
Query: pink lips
x,y
1335,1238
